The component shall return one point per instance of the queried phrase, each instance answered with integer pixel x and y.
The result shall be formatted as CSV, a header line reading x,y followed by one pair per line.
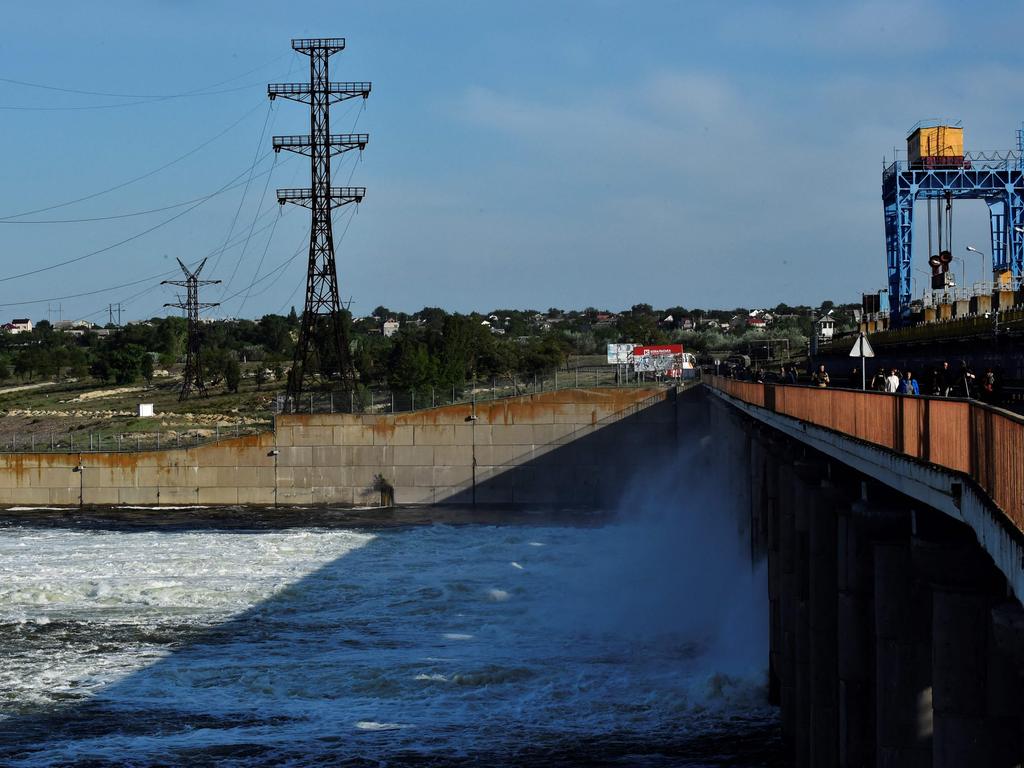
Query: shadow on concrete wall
x,y
592,470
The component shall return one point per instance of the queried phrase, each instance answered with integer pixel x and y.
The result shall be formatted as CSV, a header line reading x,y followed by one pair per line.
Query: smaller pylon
x,y
191,305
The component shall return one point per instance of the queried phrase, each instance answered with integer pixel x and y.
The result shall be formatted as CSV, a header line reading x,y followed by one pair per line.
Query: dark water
x,y
232,637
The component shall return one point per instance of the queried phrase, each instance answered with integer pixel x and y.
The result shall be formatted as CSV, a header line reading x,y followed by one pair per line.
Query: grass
x,y
55,412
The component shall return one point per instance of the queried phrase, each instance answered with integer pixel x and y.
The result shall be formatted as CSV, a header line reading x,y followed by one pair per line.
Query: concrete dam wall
x,y
573,447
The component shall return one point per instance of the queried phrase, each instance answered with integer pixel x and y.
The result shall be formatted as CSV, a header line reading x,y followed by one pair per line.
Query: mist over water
x,y
639,640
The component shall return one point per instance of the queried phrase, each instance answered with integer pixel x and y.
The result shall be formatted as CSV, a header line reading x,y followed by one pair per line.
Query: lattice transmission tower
x,y
192,305
323,326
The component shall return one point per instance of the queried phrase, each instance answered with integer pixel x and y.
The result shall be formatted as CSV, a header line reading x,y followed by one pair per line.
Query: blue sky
x,y
532,154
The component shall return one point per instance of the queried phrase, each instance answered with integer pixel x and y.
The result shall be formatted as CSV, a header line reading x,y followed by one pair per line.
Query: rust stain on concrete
x,y
171,462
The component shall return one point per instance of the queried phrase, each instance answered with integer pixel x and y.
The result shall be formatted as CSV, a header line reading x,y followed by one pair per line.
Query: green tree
x,y
147,368
275,333
409,364
126,363
232,374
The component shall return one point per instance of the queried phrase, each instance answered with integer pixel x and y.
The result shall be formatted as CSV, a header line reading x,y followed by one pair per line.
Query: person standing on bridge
x,y
878,382
946,379
988,386
909,385
892,382
820,377
966,380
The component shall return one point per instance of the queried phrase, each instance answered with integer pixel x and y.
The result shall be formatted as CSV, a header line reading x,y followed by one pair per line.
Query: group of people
x,y
944,381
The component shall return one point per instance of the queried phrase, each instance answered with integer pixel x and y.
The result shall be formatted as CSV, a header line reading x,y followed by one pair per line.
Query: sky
x,y
543,153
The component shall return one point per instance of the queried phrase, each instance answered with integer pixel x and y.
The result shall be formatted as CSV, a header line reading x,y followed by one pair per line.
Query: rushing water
x,y
620,642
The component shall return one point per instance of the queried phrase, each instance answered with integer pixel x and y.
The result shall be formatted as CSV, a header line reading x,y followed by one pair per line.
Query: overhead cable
x,y
137,178
136,236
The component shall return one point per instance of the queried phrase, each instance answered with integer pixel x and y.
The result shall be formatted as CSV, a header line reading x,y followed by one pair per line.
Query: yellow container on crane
x,y
935,145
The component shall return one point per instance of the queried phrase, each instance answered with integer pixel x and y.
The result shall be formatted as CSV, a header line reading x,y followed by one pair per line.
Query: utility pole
x,y
191,305
322,307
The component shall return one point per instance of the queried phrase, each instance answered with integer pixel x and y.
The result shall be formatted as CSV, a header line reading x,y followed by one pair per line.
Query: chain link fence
x,y
367,401
361,401
82,441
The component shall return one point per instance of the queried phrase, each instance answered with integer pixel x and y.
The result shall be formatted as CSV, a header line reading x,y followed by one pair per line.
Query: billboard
x,y
620,354
665,359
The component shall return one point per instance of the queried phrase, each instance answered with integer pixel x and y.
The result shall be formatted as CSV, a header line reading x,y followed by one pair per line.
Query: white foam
x,y
291,633
370,725
516,565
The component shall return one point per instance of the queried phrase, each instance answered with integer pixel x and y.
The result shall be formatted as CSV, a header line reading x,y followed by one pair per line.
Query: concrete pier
x,y
896,638
825,503
903,695
855,642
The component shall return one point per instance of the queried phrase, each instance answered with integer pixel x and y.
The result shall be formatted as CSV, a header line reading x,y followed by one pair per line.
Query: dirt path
x,y
96,394
8,390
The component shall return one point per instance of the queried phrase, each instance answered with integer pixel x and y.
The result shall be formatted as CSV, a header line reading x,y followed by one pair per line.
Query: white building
x,y
391,327
826,327
23,325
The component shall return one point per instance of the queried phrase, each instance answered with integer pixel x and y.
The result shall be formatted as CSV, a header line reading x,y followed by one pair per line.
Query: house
x,y
391,327
826,326
72,325
23,325
756,323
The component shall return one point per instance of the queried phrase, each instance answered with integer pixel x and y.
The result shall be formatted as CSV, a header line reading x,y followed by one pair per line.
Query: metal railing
x,y
401,401
963,436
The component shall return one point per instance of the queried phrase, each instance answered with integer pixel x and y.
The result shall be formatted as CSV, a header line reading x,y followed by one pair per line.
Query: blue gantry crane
x,y
938,168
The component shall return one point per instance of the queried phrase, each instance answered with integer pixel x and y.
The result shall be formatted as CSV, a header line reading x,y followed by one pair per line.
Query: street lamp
x,y
928,280
972,249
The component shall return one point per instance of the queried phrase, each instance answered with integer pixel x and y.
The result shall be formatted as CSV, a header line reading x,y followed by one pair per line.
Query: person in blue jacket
x,y
909,385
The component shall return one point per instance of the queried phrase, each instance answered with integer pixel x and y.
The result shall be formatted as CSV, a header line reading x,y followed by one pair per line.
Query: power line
x,y
194,91
241,202
133,237
86,107
134,213
148,279
137,178
259,266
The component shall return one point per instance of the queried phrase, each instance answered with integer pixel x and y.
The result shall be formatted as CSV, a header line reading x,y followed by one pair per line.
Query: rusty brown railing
x,y
977,440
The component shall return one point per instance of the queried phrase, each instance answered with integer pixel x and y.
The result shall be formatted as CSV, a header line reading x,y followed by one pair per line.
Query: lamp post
x,y
972,249
928,276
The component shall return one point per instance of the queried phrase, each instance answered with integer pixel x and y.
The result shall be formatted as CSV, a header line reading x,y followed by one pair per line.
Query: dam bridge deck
x,y
959,456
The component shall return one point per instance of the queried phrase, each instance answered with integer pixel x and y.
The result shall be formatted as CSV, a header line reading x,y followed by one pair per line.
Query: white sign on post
x,y
862,348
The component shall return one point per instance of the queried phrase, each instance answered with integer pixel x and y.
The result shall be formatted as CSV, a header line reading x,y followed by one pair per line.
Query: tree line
x,y
431,348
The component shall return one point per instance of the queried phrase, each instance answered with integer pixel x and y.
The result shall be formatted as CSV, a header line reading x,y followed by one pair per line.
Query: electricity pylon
x,y
322,307
192,305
